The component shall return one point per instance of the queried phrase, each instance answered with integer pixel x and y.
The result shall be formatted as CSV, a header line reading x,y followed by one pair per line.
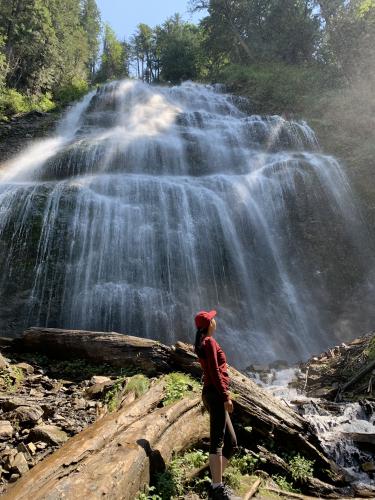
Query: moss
x,y
370,349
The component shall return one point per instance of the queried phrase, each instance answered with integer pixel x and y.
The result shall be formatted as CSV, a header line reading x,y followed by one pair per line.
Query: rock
x,y
11,403
368,467
28,414
6,429
13,478
25,367
32,448
95,391
35,393
18,464
49,434
24,449
3,362
41,445
360,437
79,403
98,379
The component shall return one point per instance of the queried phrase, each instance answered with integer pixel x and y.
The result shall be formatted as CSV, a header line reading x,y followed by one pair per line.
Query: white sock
x,y
215,485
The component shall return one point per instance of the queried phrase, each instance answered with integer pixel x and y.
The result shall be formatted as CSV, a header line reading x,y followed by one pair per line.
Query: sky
x,y
125,15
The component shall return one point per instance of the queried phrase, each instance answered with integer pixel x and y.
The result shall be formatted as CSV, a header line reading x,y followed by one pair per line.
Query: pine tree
x,y
90,20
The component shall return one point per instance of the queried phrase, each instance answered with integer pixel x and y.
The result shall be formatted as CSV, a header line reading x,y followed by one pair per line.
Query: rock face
x,y
21,130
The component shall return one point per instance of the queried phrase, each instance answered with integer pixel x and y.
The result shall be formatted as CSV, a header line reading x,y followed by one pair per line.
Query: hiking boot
x,y
222,492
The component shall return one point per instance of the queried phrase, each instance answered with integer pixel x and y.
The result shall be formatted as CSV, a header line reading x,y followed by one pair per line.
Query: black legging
x,y
222,436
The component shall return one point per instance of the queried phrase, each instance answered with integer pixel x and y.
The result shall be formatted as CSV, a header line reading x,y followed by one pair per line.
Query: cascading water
x,y
151,203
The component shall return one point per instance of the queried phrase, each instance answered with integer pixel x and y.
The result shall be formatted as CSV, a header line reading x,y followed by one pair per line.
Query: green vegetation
x,y
172,482
11,378
139,384
370,350
177,386
284,484
48,53
301,468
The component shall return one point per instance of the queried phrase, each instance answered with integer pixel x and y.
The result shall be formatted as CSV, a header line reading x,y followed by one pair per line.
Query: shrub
x,y
72,91
301,468
13,102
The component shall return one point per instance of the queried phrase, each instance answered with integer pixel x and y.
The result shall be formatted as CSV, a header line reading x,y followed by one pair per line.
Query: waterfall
x,y
150,203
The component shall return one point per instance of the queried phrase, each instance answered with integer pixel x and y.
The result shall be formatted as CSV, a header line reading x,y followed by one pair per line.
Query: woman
x,y
216,399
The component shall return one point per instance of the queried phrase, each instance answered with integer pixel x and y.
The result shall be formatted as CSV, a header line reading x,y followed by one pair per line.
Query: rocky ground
x,y
42,406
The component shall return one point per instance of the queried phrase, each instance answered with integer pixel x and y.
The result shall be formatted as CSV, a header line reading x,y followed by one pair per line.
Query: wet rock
x,y
28,414
361,437
49,434
6,429
368,467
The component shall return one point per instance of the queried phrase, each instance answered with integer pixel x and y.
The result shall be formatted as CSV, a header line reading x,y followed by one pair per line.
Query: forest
x,y
279,51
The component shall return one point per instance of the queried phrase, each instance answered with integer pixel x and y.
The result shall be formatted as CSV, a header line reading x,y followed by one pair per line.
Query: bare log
x,y
149,356
253,490
115,457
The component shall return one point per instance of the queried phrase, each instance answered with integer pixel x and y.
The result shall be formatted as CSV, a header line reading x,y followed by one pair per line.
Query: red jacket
x,y
214,367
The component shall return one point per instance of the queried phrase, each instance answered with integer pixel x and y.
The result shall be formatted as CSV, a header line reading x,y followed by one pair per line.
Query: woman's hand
x,y
228,405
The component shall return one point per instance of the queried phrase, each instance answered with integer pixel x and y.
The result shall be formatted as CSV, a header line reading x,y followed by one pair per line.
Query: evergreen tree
x,y
115,57
90,19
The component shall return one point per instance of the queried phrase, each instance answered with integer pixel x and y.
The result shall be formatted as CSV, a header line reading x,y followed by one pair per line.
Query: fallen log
x,y
115,457
269,418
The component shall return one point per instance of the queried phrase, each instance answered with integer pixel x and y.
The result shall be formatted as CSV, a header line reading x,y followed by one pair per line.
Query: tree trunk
x,y
116,456
272,421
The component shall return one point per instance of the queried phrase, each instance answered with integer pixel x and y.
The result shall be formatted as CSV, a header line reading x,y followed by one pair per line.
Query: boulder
x,y
6,429
28,414
98,379
95,391
49,434
19,464
25,367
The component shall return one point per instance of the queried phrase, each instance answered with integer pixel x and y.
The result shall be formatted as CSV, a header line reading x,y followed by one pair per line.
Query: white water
x,y
151,203
333,423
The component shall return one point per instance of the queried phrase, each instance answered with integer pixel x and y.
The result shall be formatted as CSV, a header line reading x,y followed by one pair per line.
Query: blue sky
x,y
124,15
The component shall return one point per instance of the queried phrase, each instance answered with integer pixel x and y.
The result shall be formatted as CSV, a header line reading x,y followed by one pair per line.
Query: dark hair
x,y
201,332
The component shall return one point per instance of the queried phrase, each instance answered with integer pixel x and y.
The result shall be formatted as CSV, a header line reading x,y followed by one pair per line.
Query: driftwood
x,y
115,457
355,378
252,490
269,418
